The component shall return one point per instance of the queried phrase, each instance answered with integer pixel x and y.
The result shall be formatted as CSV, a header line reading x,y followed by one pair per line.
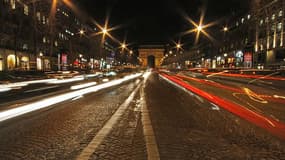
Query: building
x,y
33,36
252,40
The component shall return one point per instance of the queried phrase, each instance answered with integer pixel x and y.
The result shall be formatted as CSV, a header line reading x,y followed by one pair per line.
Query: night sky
x,y
159,21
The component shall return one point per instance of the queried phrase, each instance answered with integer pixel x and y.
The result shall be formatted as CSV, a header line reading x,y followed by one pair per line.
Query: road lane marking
x,y
100,136
150,140
253,96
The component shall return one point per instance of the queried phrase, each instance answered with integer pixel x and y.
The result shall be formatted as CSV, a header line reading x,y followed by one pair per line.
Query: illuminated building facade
x,y
33,39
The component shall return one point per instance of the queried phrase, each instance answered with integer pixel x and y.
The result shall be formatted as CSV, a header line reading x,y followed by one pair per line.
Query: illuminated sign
x,y
248,57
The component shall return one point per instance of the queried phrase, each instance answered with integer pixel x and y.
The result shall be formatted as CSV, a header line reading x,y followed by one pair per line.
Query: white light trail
x,y
18,85
105,80
83,85
8,114
5,89
60,81
281,97
91,75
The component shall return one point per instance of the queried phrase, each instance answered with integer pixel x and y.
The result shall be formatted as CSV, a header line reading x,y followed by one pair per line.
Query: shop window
x,y
11,62
25,63
39,64
13,4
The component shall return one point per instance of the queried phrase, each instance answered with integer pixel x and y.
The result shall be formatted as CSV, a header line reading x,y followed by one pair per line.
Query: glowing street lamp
x,y
199,28
225,29
104,31
123,46
178,46
131,52
81,32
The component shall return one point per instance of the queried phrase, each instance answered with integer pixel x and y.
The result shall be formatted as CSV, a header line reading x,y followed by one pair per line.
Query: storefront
x,y
47,65
247,60
214,63
39,64
208,63
11,62
25,63
239,58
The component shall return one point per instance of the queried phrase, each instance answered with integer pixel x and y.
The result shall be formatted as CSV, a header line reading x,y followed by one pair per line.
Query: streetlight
x,y
131,52
104,31
225,29
123,45
178,46
199,28
81,32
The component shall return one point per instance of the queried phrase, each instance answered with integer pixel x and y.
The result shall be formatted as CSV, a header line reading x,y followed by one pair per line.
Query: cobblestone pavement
x,y
62,131
187,127
126,140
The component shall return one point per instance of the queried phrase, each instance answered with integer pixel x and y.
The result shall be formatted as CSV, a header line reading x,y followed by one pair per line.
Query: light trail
x,y
271,125
232,89
60,81
83,85
18,85
248,76
8,114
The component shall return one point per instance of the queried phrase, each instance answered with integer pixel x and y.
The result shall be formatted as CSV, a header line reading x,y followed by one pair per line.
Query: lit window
x,y
280,13
266,19
273,16
273,27
242,20
55,43
237,23
25,46
13,4
44,20
261,22
44,39
39,16
279,26
26,9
